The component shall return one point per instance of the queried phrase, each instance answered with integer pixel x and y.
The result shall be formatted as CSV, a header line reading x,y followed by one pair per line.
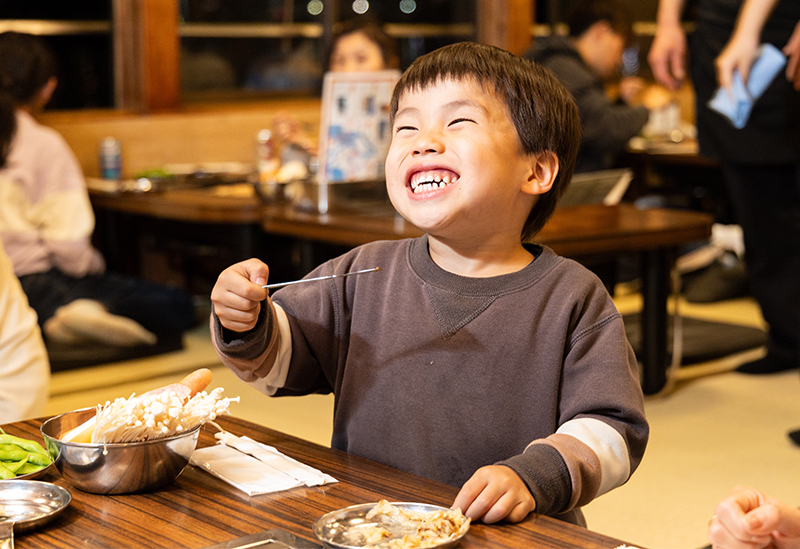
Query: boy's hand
x,y
238,294
494,493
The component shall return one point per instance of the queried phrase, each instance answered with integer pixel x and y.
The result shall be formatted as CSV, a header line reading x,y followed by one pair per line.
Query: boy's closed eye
x,y
461,120
408,128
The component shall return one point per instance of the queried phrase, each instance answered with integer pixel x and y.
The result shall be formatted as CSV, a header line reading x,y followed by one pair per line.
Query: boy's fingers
x,y
238,321
506,507
253,271
481,508
469,491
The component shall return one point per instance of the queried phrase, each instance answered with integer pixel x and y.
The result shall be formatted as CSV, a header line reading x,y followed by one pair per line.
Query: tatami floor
x,y
713,428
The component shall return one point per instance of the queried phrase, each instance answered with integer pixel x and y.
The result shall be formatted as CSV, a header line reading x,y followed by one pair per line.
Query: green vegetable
x,y
153,173
15,466
20,456
29,445
5,472
12,452
29,468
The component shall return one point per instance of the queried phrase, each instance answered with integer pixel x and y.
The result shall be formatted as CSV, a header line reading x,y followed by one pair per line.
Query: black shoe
x,y
795,436
766,365
726,278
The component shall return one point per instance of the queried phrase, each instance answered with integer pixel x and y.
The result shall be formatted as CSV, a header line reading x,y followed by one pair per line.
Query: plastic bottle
x,y
110,158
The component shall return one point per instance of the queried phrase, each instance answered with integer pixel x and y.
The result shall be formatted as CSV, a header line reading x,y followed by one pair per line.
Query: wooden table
x,y
199,510
581,232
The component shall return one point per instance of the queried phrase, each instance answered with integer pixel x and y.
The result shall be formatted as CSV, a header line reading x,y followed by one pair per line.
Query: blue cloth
x,y
738,104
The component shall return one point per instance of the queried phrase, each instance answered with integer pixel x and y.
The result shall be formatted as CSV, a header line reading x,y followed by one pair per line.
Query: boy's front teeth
x,y
429,181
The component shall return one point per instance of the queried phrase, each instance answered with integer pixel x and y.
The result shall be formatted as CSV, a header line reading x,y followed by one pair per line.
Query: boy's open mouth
x,y
431,180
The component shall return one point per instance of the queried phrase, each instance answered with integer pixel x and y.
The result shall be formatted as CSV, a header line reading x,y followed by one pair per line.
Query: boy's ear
x,y
544,169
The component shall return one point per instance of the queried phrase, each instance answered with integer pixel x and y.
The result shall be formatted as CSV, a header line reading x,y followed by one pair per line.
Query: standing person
x,y
46,222
471,357
24,367
760,162
599,31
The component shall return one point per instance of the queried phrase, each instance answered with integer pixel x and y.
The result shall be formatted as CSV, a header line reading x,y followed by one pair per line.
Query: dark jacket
x,y
607,126
771,136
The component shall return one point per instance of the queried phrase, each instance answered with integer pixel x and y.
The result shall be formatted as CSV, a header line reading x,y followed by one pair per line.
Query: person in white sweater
x,y
46,222
24,368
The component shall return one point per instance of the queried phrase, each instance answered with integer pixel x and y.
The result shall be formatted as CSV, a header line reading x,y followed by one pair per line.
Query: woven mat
x,y
68,357
703,340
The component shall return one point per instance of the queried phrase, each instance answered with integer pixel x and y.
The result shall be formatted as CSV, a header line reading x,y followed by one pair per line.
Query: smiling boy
x,y
471,358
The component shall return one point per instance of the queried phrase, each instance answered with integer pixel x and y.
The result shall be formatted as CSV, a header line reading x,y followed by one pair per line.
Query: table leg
x,y
655,291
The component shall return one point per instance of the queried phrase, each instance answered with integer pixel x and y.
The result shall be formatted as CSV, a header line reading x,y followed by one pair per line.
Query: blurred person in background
x,y
357,46
360,47
46,222
584,62
24,367
760,163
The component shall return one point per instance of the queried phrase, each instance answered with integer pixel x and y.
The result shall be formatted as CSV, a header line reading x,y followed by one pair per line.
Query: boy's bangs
x,y
458,62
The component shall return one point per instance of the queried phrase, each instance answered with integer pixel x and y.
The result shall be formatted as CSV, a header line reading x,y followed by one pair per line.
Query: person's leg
x,y
47,292
159,308
766,203
67,315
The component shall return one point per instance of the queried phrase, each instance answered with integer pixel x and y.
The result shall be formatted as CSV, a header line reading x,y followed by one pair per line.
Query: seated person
x,y
356,47
24,368
362,47
599,31
46,222
471,358
749,519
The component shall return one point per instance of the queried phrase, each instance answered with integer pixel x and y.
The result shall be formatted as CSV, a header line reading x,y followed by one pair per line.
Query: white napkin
x,y
255,468
769,61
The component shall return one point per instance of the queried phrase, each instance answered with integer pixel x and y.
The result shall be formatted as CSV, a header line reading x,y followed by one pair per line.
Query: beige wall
x,y
201,135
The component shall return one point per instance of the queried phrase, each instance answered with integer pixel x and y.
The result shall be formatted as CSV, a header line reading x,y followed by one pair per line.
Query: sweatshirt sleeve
x,y
602,434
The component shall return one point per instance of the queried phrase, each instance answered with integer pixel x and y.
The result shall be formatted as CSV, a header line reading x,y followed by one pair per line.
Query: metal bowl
x,y
116,468
343,528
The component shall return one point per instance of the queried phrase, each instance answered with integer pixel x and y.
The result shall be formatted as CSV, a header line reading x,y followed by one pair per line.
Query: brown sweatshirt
x,y
439,374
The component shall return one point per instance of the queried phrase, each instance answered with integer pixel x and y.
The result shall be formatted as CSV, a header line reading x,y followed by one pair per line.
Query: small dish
x,y
28,504
342,528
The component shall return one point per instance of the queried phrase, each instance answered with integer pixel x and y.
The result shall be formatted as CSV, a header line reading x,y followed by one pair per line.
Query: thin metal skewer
x,y
282,284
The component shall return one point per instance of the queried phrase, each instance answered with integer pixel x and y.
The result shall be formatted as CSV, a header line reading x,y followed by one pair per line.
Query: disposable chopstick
x,y
303,280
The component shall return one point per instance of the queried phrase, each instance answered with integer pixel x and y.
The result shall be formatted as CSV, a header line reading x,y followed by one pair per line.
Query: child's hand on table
x,y
494,493
238,294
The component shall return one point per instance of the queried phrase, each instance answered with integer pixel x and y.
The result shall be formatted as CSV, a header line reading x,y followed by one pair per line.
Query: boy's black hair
x,y
543,111
588,12
26,65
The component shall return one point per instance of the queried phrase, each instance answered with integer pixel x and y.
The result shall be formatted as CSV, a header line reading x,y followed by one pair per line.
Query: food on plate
x,y
20,456
396,528
159,413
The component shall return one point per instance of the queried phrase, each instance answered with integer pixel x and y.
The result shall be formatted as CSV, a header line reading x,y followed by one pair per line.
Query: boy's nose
x,y
428,144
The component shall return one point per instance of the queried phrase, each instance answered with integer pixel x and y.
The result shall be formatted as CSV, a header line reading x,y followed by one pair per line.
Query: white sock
x,y
88,320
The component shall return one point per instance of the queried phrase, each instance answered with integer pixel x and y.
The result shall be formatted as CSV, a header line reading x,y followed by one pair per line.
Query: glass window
x,y
253,48
79,35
